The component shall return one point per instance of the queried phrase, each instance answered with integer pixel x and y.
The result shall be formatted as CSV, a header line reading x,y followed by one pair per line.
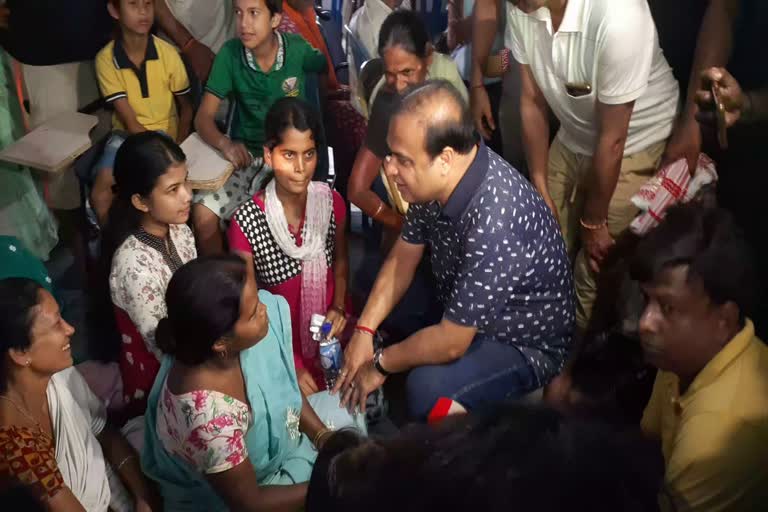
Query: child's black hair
x,y
273,6
289,113
140,162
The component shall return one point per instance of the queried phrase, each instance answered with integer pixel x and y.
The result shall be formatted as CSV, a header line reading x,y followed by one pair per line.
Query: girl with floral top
x,y
227,427
295,234
148,240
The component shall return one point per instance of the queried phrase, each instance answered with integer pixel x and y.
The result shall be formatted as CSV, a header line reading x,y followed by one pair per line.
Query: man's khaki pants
x,y
568,178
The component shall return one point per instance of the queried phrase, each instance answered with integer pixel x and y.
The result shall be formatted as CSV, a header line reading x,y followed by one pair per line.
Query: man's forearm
x,y
606,167
484,28
714,45
613,127
429,346
455,17
170,25
340,276
393,280
535,123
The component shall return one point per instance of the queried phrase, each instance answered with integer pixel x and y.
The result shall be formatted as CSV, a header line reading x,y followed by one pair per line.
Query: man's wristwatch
x,y
377,363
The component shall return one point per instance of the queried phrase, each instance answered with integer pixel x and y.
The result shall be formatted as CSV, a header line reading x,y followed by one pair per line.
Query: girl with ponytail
x,y
145,241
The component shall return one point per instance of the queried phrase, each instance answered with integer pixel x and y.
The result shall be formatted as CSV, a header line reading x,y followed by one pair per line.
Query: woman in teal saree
x,y
226,425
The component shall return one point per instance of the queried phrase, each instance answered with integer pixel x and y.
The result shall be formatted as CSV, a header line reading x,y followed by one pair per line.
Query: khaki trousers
x,y
567,180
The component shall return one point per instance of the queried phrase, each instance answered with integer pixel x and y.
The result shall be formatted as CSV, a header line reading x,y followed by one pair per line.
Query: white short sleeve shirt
x,y
212,22
610,45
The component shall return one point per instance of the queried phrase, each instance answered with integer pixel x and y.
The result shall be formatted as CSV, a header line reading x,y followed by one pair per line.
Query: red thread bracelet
x,y
365,329
188,44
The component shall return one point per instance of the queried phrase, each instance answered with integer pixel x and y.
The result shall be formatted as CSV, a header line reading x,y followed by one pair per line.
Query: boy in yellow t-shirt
x,y
143,77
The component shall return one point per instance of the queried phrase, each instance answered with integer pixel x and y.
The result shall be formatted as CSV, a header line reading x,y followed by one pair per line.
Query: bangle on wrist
x,y
477,86
340,309
366,330
122,462
593,227
320,434
378,210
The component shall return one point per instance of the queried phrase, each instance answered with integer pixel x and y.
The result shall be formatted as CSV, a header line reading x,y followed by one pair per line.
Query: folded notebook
x,y
208,170
54,145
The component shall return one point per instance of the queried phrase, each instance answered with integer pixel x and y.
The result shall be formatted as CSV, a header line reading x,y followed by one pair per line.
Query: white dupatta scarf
x,y
78,417
314,271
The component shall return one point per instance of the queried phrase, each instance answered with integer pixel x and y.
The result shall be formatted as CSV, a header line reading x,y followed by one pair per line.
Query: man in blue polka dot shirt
x,y
498,258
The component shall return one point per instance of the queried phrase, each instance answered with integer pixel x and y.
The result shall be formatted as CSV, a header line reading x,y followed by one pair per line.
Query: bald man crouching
x,y
499,260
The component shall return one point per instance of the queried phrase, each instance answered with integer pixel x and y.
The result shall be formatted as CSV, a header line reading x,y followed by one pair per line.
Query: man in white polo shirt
x,y
598,65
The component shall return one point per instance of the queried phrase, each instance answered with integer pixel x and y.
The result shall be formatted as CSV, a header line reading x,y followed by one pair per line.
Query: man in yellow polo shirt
x,y
709,406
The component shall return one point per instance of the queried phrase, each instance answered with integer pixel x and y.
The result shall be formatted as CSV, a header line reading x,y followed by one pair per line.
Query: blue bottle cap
x,y
325,330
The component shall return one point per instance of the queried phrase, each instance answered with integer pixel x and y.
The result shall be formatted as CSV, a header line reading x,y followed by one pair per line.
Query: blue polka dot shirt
x,y
499,261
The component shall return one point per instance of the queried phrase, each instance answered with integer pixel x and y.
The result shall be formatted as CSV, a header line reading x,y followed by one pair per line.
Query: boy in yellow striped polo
x,y
145,81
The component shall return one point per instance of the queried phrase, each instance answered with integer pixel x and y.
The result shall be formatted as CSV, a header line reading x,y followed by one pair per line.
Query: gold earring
x,y
29,361
223,354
